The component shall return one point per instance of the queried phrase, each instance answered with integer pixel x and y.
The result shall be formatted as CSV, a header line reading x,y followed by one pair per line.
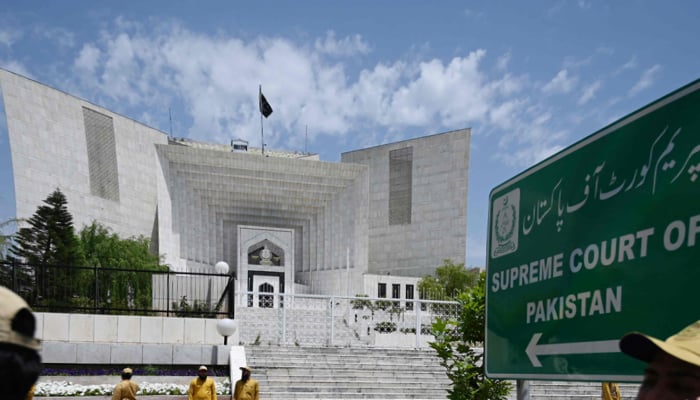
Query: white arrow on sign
x,y
533,349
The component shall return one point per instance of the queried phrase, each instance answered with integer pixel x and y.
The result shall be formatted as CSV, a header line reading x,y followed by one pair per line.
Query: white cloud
x,y
631,64
211,83
526,156
347,46
646,80
506,115
452,94
561,83
531,139
88,58
60,36
589,92
574,63
502,62
8,37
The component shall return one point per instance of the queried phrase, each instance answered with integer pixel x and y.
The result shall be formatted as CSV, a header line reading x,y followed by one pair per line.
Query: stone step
x,y
309,373
321,373
316,385
344,365
341,375
335,350
431,395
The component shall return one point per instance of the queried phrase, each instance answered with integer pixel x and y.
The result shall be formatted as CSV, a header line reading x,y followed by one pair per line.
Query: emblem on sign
x,y
504,228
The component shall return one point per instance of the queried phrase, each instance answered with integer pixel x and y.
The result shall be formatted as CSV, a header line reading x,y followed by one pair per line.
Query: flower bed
x,y
66,388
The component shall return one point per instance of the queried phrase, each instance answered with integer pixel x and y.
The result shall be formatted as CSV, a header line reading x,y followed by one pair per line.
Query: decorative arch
x,y
255,253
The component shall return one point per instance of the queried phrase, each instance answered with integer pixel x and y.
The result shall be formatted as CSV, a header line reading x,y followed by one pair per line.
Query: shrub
x,y
385,327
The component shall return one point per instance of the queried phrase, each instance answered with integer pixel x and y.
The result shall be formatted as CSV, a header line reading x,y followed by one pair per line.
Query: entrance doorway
x,y
266,290
266,300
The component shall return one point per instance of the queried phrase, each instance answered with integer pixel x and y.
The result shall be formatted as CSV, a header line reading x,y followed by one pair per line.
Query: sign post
x,y
599,240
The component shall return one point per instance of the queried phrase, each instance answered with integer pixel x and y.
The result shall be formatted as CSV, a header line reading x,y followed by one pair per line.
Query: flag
x,y
265,107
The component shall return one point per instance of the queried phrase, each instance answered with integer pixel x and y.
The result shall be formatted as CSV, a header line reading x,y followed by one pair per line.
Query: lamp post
x,y
226,327
222,267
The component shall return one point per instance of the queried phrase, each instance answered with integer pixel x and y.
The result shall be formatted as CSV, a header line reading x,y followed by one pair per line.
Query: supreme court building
x,y
285,222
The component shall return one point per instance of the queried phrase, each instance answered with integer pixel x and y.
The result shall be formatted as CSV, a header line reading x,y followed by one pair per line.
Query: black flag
x,y
265,107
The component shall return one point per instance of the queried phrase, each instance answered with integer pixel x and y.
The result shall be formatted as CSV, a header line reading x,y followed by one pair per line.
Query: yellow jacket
x,y
247,390
611,391
202,389
30,393
125,389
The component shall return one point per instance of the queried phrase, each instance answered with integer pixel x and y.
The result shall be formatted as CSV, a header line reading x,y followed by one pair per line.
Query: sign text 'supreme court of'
x,y
601,239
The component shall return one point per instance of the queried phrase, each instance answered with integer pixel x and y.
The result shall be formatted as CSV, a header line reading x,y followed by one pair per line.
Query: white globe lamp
x,y
226,327
221,267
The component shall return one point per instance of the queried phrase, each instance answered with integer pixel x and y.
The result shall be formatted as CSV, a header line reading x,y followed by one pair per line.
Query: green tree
x,y
458,344
118,277
49,241
450,279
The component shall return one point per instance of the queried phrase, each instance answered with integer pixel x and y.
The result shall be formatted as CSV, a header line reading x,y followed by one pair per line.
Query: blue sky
x,y
529,77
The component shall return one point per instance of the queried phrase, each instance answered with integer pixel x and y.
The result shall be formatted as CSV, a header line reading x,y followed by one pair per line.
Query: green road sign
x,y
601,239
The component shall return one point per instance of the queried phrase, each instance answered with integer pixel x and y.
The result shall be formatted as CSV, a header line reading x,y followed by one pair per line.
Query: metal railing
x,y
118,291
314,320
270,318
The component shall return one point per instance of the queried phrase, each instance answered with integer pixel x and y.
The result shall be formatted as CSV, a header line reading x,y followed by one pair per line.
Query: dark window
x,y
409,296
381,290
396,293
400,185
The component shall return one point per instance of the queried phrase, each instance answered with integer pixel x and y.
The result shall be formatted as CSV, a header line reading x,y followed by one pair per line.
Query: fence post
x,y
167,293
330,340
284,323
97,293
419,325
231,297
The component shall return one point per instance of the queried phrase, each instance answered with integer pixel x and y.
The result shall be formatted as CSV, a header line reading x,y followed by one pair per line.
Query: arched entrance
x,y
266,290
266,300
265,264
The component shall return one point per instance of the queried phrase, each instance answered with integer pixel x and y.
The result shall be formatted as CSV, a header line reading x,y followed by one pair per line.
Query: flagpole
x,y
262,136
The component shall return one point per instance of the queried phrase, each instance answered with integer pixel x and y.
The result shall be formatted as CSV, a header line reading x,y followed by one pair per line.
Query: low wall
x,y
112,339
401,340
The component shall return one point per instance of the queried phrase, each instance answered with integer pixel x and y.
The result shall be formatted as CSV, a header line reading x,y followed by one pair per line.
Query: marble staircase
x,y
329,373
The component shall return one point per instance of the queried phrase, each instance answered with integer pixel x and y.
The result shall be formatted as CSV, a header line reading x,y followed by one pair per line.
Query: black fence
x,y
120,291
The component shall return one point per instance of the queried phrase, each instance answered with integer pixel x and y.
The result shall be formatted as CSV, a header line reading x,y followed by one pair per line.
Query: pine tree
x,y
49,250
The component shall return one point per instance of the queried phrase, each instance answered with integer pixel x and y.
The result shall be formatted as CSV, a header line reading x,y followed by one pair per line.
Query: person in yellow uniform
x,y
246,388
30,394
672,366
202,387
611,391
126,389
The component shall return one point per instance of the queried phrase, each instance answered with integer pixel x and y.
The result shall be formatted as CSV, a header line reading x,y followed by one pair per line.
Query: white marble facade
x,y
201,203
